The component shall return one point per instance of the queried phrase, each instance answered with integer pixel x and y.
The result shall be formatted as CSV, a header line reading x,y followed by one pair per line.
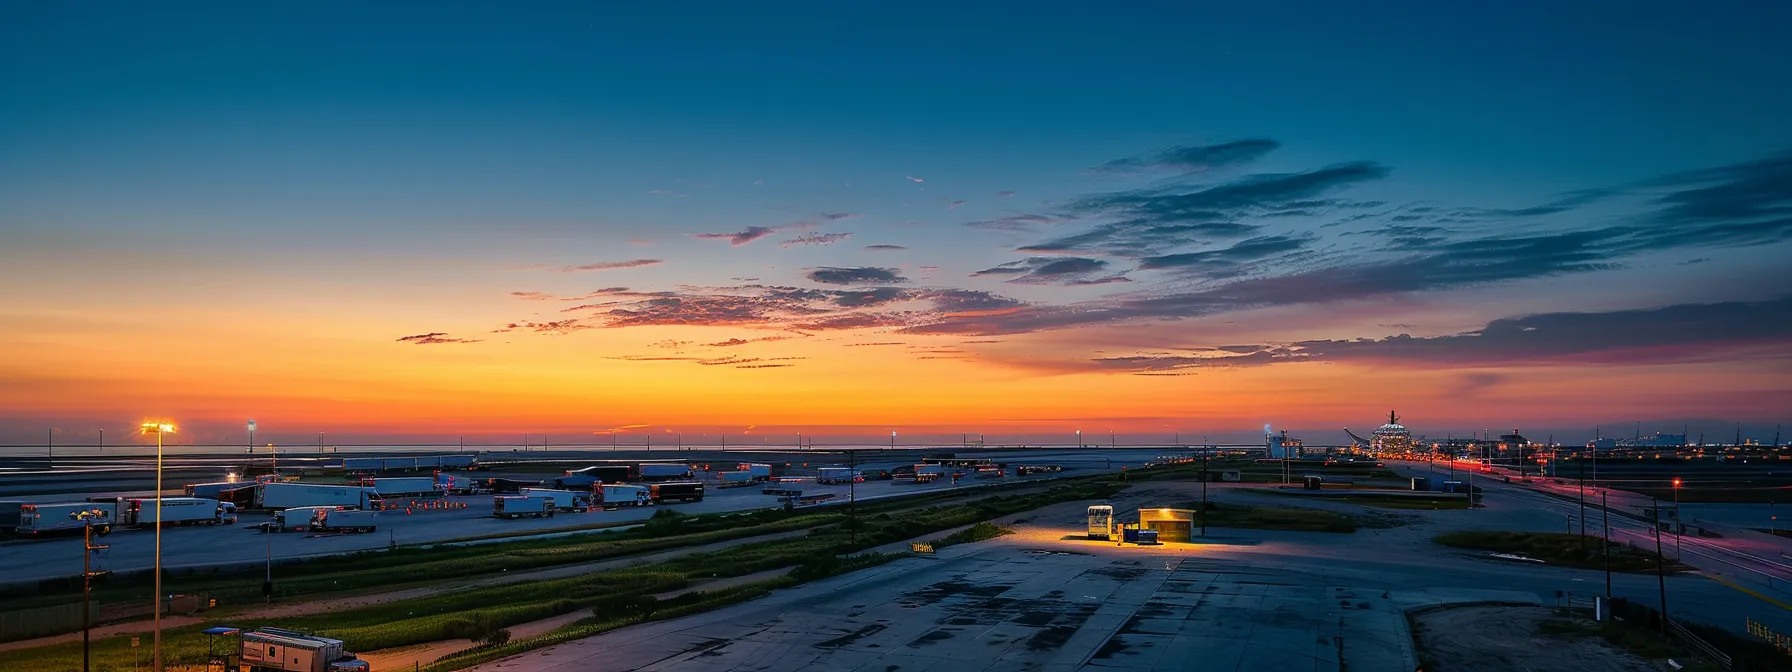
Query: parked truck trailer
x,y
289,495
665,472
686,491
276,650
141,512
405,486
511,507
618,496
564,500
345,520
583,479
44,518
838,476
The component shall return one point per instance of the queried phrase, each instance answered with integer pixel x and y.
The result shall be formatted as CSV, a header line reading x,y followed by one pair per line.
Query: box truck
x,y
688,491
344,520
276,650
757,472
564,500
781,489
405,486
511,507
618,496
289,495
35,518
838,476
665,472
175,511
509,486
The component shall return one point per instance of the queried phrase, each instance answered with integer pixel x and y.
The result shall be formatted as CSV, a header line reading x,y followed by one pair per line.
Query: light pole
x,y
1677,524
160,428
892,439
1660,576
87,574
1079,438
1203,492
1605,527
50,443
251,445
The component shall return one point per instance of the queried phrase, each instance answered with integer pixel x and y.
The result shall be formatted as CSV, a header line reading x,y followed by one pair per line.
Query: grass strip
x,y
1556,548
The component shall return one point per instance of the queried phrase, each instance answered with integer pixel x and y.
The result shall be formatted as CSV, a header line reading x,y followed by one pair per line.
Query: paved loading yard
x,y
999,606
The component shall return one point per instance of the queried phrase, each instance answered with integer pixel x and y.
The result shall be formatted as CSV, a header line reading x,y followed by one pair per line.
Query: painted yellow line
x,y
1763,598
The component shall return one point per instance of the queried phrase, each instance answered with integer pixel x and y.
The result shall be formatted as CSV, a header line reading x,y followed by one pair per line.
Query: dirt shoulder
x,y
1504,639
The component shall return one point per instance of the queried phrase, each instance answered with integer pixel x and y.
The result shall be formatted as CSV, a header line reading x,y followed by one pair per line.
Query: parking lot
x,y
204,546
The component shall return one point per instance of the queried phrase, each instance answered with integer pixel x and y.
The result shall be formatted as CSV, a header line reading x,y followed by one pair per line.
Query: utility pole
x,y
1583,505
87,574
1660,577
51,444
1203,493
1605,526
320,444
852,492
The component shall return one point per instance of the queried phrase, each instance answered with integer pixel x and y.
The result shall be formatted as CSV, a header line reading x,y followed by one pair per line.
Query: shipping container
x,y
756,472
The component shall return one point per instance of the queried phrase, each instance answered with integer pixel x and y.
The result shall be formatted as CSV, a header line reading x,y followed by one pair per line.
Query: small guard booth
x,y
1172,525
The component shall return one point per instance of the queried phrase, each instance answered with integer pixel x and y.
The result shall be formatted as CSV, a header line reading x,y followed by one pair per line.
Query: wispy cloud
x,y
884,248
914,179
861,275
611,265
434,338
1193,157
815,239
1053,270
532,296
1004,194
741,237
666,192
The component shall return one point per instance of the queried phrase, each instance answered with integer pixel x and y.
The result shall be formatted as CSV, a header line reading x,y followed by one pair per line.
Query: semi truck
x,y
511,507
618,496
687,491
344,520
665,472
459,484
9,514
405,486
44,518
296,518
564,500
838,475
580,479
734,479
175,511
276,650
290,495
756,472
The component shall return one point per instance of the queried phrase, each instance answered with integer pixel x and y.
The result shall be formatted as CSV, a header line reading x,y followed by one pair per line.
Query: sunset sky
x,y
383,220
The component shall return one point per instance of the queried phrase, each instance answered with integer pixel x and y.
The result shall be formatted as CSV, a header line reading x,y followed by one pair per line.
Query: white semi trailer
x,y
345,520
618,496
291,495
275,650
564,500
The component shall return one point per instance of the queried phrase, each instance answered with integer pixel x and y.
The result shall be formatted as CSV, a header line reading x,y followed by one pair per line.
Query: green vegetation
x,y
1569,550
1274,518
616,598
1715,495
974,533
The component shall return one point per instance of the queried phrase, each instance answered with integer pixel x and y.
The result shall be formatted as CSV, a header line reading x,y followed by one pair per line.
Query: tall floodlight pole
x,y
1677,525
251,447
1583,504
87,574
50,443
1079,438
1605,526
1660,576
1204,454
892,439
158,428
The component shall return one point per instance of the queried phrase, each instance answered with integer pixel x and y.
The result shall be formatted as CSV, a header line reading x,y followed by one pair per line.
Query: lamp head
x,y
158,428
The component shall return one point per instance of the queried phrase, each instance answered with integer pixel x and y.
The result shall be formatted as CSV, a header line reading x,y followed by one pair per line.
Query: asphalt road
x,y
204,546
1048,599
